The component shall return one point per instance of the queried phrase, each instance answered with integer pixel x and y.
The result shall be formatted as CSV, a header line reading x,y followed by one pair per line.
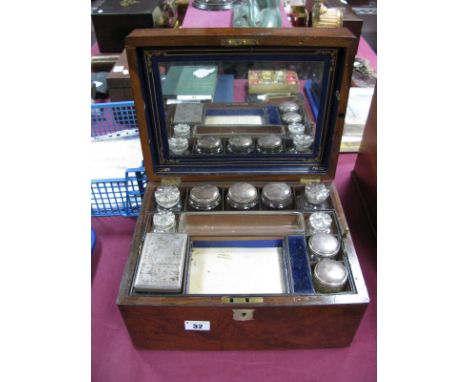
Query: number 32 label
x,y
197,325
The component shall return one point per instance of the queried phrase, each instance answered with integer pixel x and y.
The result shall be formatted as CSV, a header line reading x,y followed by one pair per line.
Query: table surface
x,y
115,359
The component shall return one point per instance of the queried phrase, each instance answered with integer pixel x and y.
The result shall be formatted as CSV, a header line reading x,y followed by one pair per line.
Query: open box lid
x,y
236,82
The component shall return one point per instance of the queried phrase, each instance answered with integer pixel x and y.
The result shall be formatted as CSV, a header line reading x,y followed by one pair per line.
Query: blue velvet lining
x,y
300,267
313,97
237,244
224,89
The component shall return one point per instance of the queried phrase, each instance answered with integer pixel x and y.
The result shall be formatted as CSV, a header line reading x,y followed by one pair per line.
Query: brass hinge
x,y
171,180
309,180
241,300
239,42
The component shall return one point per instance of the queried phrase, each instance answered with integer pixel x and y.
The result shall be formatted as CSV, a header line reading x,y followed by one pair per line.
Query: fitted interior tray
x,y
232,130
242,223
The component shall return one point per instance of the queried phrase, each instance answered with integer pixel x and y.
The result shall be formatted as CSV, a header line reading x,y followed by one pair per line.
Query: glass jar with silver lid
x,y
270,144
330,276
291,117
302,143
320,222
182,130
168,198
164,222
209,145
240,144
316,193
204,197
277,195
288,106
323,246
296,129
242,196
178,146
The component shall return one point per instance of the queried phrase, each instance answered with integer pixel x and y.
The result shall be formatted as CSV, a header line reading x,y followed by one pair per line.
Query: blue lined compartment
x,y
116,196
301,273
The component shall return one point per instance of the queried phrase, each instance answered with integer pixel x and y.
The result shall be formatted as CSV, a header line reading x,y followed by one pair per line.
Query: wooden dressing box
x,y
253,302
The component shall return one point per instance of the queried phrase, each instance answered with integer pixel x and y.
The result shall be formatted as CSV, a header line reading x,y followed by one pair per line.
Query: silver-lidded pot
x,y
323,246
209,145
291,117
164,222
320,222
330,276
277,195
316,193
242,196
302,142
182,130
296,129
178,145
204,197
270,144
288,106
167,197
240,144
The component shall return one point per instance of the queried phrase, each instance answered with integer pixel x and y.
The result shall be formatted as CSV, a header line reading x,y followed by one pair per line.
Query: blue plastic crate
x,y
117,196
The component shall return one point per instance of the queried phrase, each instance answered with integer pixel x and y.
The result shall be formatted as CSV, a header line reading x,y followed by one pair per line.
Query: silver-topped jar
x,y
209,145
320,222
164,222
288,106
296,129
323,246
182,130
167,198
277,195
204,197
178,145
302,142
242,196
270,144
240,144
316,193
291,117
330,276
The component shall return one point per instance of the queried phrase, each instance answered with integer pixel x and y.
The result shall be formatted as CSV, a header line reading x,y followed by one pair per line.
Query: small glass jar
x,y
178,146
330,276
316,193
296,129
242,196
168,198
240,145
288,106
209,145
302,143
291,117
323,246
182,130
270,144
204,197
277,195
320,222
164,222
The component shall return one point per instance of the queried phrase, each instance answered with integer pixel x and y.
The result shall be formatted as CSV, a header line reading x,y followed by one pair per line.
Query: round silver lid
x,y
269,141
164,220
178,145
240,142
316,193
213,5
242,192
302,142
291,117
182,130
277,192
320,221
209,142
324,244
204,195
331,273
296,128
167,196
288,106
